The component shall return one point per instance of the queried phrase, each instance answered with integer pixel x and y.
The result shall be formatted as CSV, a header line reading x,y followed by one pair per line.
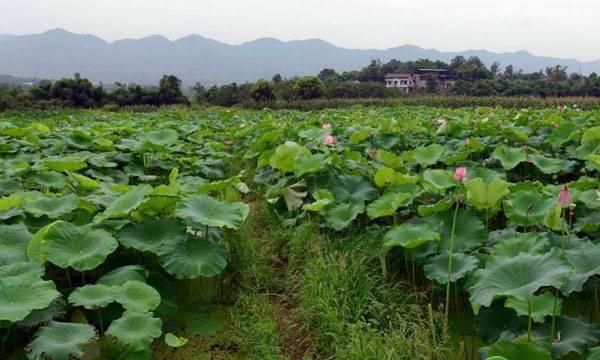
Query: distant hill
x,y
59,53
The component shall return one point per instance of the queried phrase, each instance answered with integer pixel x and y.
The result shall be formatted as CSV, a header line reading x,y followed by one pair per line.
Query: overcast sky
x,y
544,27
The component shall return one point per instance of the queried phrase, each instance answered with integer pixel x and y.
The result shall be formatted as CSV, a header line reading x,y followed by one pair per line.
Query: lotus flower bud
x,y
460,174
329,140
564,197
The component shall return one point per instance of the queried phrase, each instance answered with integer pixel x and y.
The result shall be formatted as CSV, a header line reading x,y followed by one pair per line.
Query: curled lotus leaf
x,y
61,341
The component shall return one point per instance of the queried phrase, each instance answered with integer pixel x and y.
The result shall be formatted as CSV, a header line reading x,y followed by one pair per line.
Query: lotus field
x,y
490,217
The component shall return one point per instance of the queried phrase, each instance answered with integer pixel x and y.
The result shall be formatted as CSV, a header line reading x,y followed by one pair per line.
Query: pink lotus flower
x,y
564,197
329,140
460,174
327,126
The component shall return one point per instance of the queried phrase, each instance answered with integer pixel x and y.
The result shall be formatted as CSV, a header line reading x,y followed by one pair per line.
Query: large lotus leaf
x,y
294,195
323,198
528,207
123,274
575,336
83,182
440,206
428,155
410,235
387,204
520,277
469,232
486,196
22,290
13,243
137,296
518,351
35,251
206,211
159,140
65,164
56,310
52,207
151,235
136,331
438,180
549,165
513,244
193,258
93,296
352,189
175,341
540,306
509,157
80,247
309,164
50,179
61,341
436,268
341,216
564,133
126,203
285,156
385,177
584,259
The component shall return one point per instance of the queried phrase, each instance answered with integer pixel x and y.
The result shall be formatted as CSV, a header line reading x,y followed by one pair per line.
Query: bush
x,y
308,88
263,91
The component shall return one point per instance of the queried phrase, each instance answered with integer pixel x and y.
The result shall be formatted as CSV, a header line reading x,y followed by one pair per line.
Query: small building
x,y
410,82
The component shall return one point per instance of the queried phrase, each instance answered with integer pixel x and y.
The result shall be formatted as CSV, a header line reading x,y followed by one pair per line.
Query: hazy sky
x,y
544,27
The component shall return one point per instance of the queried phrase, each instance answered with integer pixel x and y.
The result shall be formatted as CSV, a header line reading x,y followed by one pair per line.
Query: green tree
x,y
263,91
169,91
309,87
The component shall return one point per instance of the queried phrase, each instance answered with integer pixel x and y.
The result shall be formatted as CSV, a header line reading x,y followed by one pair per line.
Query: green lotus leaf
x,y
137,296
123,274
565,132
528,208
549,165
13,243
593,353
498,322
61,341
519,277
387,204
385,177
323,198
352,189
126,203
584,259
428,155
590,135
388,159
206,211
518,351
136,331
410,236
576,335
80,247
83,182
65,164
341,216
56,310
294,195
151,235
35,251
193,258
11,202
159,140
93,296
486,196
285,156
309,164
509,157
540,305
513,244
438,180
436,268
469,232
50,179
440,206
53,207
22,290
175,341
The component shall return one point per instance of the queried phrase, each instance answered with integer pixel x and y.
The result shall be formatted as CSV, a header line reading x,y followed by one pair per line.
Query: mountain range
x,y
59,53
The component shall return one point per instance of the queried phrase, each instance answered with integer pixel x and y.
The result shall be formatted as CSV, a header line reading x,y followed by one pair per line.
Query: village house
x,y
410,82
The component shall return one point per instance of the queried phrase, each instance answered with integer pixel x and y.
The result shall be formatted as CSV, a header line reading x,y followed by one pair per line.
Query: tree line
x,y
79,92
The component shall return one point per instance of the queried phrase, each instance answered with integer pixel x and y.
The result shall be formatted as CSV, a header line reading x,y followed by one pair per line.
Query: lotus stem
x,y
68,277
553,326
100,322
529,320
450,251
